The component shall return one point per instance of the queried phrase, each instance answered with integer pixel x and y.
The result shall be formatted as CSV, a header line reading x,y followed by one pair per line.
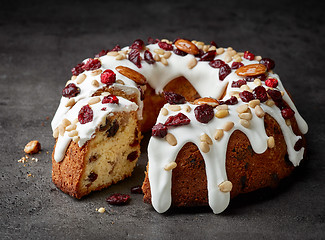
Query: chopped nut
x,y
222,113
212,48
96,72
218,134
32,147
220,50
246,116
76,139
259,111
258,58
206,100
270,103
228,58
257,82
170,138
101,210
174,108
70,103
159,51
254,102
244,123
113,54
71,127
204,147
170,166
120,57
95,83
73,133
81,78
225,186
164,61
164,111
56,133
288,122
187,108
270,142
192,63
119,81
222,107
167,55
244,87
156,57
242,108
94,100
205,138
65,122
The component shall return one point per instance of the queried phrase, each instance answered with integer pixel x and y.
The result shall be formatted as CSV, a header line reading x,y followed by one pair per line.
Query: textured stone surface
x,y
39,44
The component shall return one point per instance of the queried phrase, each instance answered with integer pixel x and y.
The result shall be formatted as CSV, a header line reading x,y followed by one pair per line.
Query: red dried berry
x,y
153,41
236,65
262,77
116,48
71,90
134,57
246,96
248,55
231,101
177,120
101,53
108,77
271,82
137,44
77,69
103,109
217,63
92,64
260,93
148,57
174,98
136,189
200,54
213,43
224,71
268,63
165,46
275,95
209,56
110,99
85,114
179,52
118,199
204,113
287,113
298,145
239,83
159,130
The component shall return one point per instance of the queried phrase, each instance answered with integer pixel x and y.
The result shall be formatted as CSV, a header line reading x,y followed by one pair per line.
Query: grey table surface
x,y
41,41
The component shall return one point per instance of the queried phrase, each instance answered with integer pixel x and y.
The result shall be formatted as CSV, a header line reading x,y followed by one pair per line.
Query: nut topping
x,y
133,75
187,46
251,70
206,100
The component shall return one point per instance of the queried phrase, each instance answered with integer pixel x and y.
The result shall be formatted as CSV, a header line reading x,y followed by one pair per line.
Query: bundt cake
x,y
225,123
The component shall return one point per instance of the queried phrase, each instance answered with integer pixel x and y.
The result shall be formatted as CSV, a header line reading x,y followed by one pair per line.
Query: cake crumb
x,y
32,147
101,210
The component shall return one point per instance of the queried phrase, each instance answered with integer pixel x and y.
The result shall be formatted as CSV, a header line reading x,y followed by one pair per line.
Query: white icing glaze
x,y
205,80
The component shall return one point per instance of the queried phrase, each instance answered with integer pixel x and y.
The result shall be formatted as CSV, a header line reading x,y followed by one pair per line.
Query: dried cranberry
x,y
231,101
262,77
101,53
148,57
204,113
246,96
103,109
85,114
236,65
200,54
110,99
287,113
71,90
177,120
136,190
116,48
248,55
238,84
118,199
77,69
209,56
165,46
271,82
108,77
141,92
268,63
132,156
134,57
137,44
298,145
224,71
92,176
153,41
260,93
216,63
213,43
179,52
281,104
174,98
275,95
159,130
92,64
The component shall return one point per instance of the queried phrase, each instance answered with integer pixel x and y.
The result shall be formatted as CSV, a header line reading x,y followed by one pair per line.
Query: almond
x,y
206,100
132,74
187,46
251,70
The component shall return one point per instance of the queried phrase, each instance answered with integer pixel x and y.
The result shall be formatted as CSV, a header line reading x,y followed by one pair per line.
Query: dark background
x,y
41,41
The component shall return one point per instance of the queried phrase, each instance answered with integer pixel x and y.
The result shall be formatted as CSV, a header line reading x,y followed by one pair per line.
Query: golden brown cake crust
x,y
247,170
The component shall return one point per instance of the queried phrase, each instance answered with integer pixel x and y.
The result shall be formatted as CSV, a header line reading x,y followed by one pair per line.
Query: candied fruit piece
x,y
209,56
153,41
217,63
268,63
85,114
275,95
165,46
179,52
248,55
116,48
174,98
204,113
137,44
91,64
159,130
224,71
271,82
177,120
108,77
110,99
134,57
287,113
238,84
148,57
236,65
246,96
118,199
71,90
231,101
260,93
77,69
101,53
